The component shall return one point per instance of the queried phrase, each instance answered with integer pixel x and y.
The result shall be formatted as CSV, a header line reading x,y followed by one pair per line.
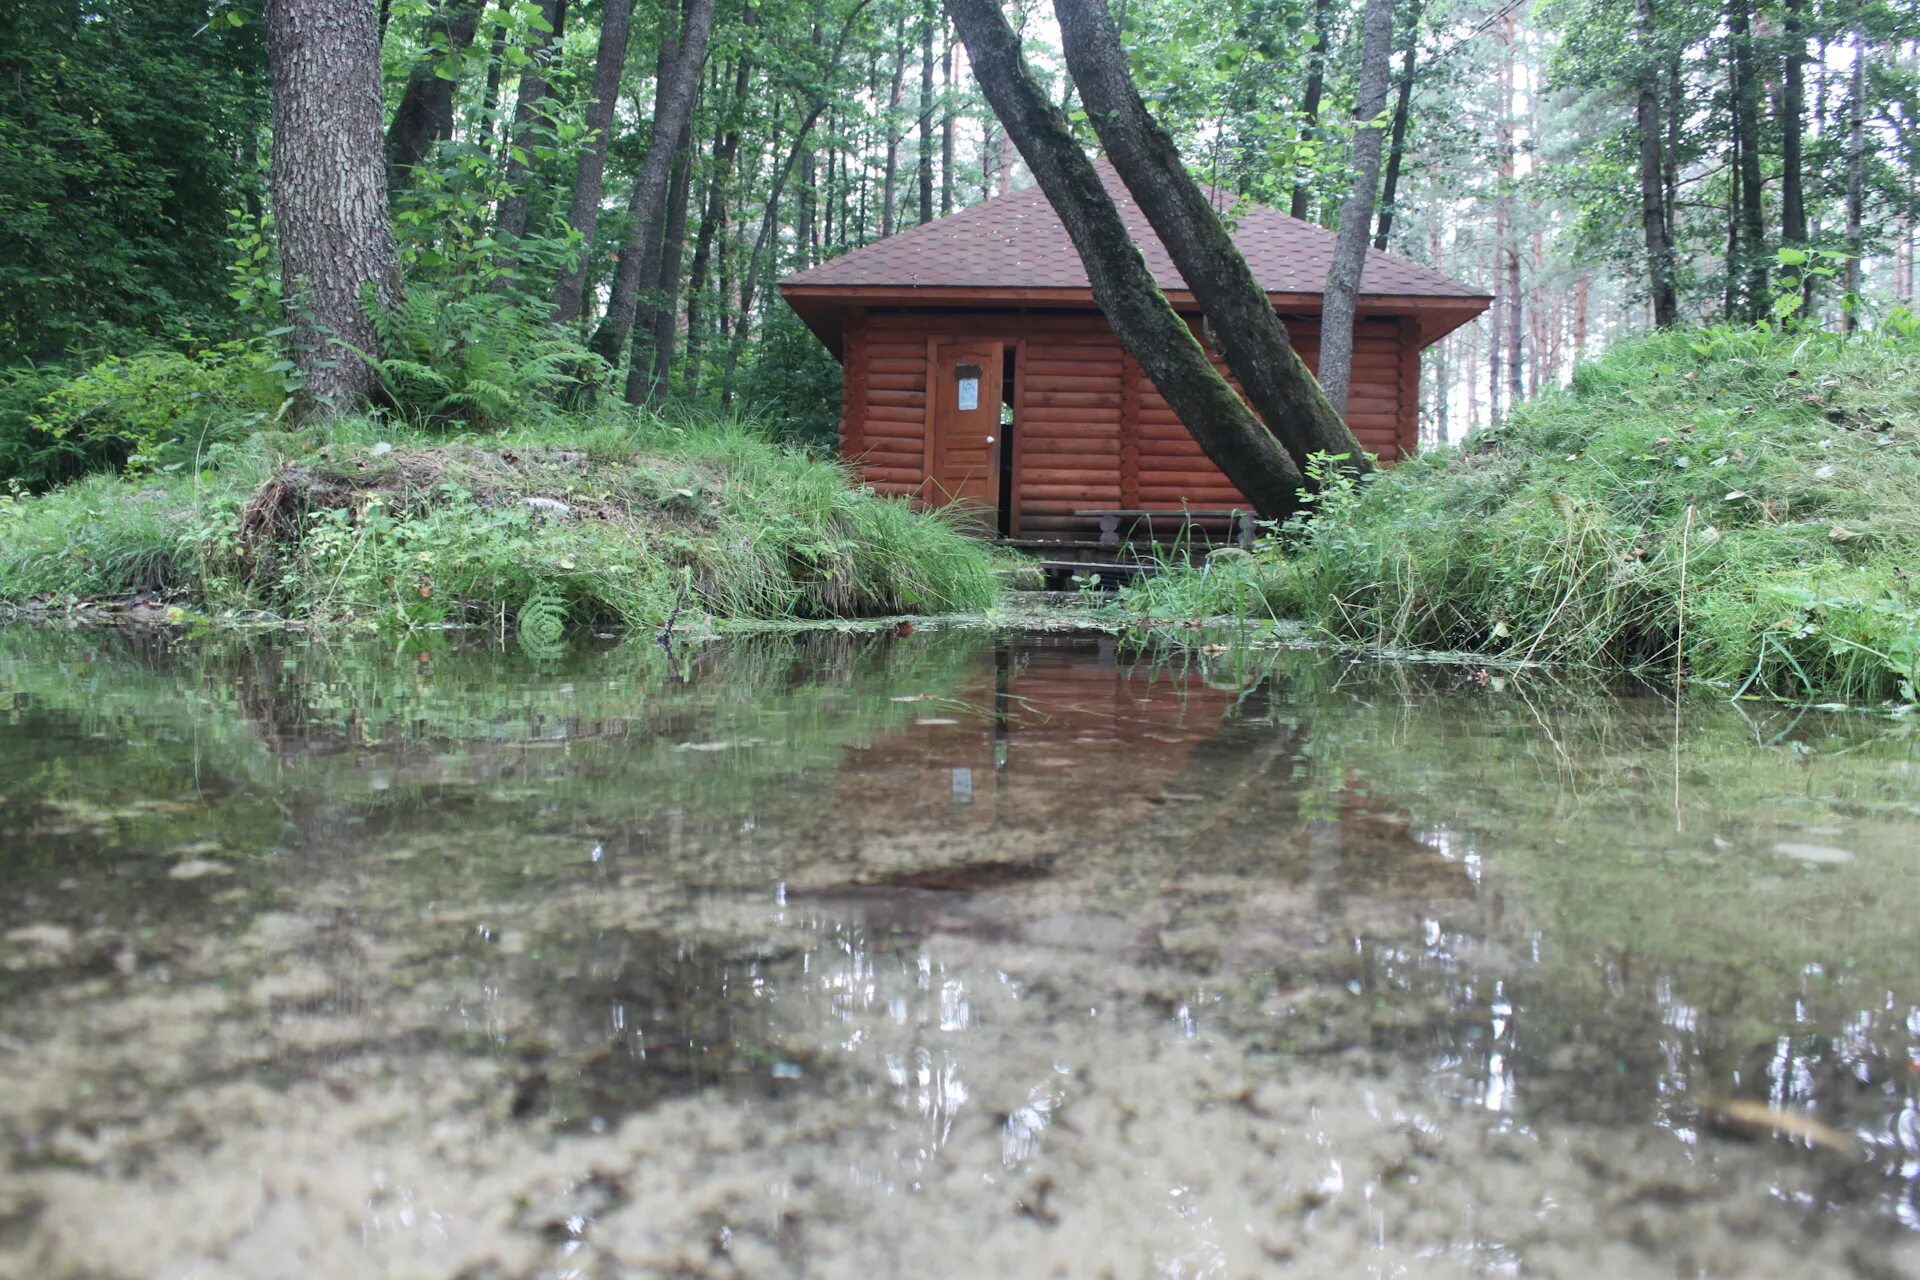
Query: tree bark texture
x,y
1226,429
1402,113
892,169
639,261
527,108
1793,201
1316,87
1356,214
1251,337
662,310
946,126
425,113
330,190
570,292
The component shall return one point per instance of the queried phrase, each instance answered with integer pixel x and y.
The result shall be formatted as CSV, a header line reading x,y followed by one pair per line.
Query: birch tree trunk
x,y
1146,323
330,190
1356,215
1251,336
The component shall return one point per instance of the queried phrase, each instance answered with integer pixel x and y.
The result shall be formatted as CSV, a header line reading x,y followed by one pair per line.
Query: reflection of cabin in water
x,y
1037,413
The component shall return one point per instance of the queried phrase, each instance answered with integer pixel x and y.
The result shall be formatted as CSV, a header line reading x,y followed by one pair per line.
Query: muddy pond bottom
x,y
945,955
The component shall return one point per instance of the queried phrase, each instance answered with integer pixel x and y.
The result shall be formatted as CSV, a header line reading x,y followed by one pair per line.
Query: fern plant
x,y
480,360
542,624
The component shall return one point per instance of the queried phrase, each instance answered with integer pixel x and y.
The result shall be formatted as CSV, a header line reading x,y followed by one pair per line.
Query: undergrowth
x,y
1741,505
618,519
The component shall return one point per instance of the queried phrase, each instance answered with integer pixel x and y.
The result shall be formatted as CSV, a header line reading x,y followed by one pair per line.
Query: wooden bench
x,y
1240,524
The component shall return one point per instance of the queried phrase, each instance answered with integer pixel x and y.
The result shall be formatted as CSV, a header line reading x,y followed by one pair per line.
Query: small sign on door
x,y
967,378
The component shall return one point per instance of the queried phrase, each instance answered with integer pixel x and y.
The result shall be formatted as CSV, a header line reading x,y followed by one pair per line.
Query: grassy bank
x,y
618,520
1745,503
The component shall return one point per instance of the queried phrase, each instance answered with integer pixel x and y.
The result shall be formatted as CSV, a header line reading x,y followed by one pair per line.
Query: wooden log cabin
x,y
1036,414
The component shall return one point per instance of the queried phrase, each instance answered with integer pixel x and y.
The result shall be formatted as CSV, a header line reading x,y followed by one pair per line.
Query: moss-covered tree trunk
x,y
1251,336
1146,323
330,189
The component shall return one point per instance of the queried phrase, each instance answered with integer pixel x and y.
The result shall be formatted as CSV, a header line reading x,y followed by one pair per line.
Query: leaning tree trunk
x,y
425,113
640,257
1251,336
330,190
570,292
1146,323
1356,215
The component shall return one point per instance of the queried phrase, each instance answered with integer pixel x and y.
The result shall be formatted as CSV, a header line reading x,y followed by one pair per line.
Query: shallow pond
x,y
945,954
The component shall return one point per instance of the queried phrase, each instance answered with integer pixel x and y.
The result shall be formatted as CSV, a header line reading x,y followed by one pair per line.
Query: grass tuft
x,y
1776,475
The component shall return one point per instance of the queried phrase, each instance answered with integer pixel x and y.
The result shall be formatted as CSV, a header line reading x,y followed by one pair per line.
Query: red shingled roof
x,y
1016,241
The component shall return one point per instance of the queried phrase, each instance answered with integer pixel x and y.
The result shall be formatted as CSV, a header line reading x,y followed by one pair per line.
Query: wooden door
x,y
963,439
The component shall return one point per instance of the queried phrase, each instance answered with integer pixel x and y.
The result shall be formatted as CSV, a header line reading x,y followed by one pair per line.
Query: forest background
x,y
1599,166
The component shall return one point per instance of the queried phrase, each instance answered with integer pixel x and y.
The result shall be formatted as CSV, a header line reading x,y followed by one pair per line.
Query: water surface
x,y
940,955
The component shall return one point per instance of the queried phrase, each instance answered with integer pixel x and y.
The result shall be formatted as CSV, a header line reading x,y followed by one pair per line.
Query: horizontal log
x,y
897,381
1038,477
1089,366
916,363
903,416
1073,399
1059,382
890,475
1087,495
903,399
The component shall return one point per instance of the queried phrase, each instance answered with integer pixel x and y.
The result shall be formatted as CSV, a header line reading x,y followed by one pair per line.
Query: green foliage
x,y
159,409
1749,499
478,360
127,130
615,520
793,382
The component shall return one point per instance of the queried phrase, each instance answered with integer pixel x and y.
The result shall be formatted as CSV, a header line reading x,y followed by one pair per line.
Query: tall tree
x,y
1402,114
570,291
425,113
678,85
1316,88
1356,214
1856,184
927,10
330,190
1653,208
887,206
1752,262
529,102
1793,111
1123,286
1250,334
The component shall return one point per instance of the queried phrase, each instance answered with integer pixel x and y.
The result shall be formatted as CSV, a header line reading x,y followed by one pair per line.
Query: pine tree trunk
x,y
1653,210
726,144
330,191
1793,203
425,113
927,10
887,186
1746,107
640,257
570,292
1856,184
1316,87
1510,288
1356,214
1146,323
946,125
528,102
1402,111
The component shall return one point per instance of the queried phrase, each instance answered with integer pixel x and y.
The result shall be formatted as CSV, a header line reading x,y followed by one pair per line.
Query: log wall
x,y
1090,429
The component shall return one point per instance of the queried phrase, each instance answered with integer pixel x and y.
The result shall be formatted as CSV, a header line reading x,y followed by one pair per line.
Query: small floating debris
x,y
195,869
1822,854
935,720
1753,1118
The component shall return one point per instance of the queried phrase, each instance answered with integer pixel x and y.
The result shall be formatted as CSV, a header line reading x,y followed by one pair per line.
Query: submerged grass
x,y
1740,505
618,519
